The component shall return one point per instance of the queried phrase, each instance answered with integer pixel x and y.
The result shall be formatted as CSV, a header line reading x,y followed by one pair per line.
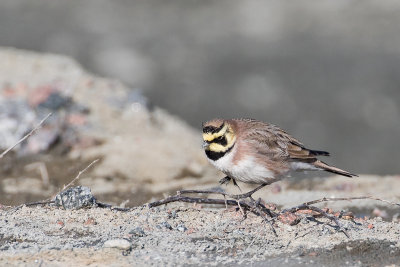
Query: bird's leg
x,y
227,179
235,184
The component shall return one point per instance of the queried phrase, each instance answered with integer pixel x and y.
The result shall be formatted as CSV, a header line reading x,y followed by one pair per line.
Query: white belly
x,y
246,170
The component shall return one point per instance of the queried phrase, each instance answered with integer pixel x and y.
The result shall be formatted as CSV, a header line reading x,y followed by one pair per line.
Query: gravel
x,y
195,235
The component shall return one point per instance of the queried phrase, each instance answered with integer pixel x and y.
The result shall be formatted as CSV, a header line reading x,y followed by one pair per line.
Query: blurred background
x,y
328,72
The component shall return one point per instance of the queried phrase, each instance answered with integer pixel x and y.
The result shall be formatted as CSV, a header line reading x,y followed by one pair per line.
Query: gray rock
x,y
138,231
181,228
164,225
75,198
118,243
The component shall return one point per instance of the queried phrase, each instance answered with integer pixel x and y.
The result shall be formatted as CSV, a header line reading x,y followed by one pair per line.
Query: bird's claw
x,y
225,180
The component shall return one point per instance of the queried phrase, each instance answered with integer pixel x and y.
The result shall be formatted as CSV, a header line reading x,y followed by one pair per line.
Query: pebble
x,y
181,228
304,220
118,243
75,198
138,231
164,225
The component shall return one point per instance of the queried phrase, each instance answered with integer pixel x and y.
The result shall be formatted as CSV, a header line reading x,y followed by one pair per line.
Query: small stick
x,y
305,206
26,136
240,196
179,198
105,205
79,175
325,199
257,206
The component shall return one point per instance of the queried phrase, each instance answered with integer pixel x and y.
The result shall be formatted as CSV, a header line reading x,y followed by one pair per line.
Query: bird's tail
x,y
322,165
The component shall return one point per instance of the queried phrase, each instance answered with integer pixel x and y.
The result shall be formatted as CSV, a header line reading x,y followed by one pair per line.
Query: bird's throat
x,y
214,155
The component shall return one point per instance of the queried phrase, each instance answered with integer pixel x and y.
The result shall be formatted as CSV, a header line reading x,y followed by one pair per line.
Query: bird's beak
x,y
205,144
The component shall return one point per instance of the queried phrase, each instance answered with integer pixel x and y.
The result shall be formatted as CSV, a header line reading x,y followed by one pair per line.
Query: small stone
x,y
75,198
305,220
164,225
172,214
118,243
348,216
90,221
313,254
138,231
289,218
181,228
270,206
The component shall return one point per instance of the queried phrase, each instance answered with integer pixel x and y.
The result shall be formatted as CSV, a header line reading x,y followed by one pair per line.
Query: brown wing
x,y
272,141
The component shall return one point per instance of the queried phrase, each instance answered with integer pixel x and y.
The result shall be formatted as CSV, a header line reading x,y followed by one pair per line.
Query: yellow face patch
x,y
216,147
211,136
231,138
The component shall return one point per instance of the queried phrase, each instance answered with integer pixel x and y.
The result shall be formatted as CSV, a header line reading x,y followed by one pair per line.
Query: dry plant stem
x,y
326,199
323,213
26,136
78,176
75,179
257,207
105,205
237,197
180,198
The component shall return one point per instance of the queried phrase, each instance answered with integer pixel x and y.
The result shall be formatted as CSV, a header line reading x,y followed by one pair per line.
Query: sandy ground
x,y
181,234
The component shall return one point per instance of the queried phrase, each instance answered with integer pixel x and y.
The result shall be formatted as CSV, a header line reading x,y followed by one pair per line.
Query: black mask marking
x,y
212,129
217,155
220,140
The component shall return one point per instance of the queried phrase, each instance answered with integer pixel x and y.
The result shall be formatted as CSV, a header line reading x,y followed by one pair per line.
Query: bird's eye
x,y
220,138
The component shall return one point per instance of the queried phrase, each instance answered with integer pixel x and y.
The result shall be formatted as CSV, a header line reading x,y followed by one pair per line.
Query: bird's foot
x,y
226,180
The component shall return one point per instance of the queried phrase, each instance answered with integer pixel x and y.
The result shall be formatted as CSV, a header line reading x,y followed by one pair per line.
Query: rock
x,y
118,243
289,218
181,228
138,231
164,225
117,121
23,106
75,198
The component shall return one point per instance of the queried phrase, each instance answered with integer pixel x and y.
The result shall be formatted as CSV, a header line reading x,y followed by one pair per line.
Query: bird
x,y
256,152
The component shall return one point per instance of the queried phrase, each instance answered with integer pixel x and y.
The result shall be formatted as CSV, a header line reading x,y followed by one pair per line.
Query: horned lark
x,y
256,152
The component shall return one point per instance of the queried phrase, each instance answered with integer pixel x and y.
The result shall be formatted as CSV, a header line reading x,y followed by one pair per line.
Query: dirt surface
x,y
182,235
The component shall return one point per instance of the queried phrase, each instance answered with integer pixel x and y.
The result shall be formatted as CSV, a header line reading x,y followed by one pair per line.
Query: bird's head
x,y
218,136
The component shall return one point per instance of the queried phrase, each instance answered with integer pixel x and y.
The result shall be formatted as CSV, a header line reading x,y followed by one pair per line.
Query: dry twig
x,y
326,199
78,176
26,136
